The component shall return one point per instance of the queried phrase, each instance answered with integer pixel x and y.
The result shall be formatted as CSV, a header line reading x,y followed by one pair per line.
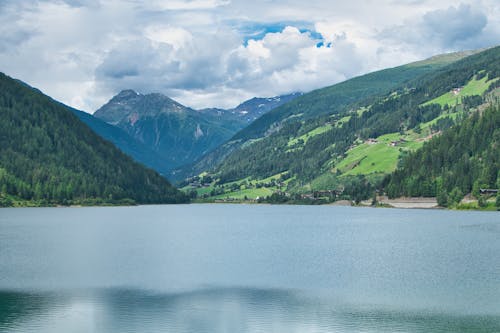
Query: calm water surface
x,y
237,268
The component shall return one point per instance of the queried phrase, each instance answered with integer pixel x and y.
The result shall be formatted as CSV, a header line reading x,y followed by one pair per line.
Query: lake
x,y
248,268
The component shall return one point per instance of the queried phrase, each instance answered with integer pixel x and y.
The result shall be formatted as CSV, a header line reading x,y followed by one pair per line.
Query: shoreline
x,y
382,202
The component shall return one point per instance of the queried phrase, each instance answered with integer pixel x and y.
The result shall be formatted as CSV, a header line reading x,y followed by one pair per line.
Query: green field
x,y
426,126
250,194
444,58
369,158
268,179
322,129
202,190
248,188
379,157
473,87
310,134
342,121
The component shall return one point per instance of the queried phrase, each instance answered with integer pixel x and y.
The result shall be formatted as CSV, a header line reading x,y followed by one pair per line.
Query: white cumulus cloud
x,y
209,53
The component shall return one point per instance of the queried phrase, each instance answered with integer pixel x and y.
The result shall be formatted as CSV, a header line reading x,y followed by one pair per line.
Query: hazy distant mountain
x,y
173,134
250,110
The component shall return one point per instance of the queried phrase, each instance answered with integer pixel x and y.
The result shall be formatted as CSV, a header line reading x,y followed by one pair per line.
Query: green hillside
x,y
317,108
335,99
349,149
48,156
474,87
462,160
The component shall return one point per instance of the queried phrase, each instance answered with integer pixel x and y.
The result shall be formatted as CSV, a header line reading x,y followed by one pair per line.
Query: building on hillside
x,y
488,191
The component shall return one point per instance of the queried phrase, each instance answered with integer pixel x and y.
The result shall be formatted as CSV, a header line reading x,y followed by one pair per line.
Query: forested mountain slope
x,y
311,109
48,156
172,134
349,151
464,159
175,133
335,99
129,145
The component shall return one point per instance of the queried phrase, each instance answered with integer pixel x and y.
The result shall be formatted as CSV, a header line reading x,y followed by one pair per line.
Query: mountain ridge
x,y
353,148
333,99
175,134
49,157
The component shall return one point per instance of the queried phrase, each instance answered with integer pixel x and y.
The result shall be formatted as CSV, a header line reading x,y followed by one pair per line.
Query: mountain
x,y
176,134
256,107
48,156
335,99
329,101
250,110
171,134
344,139
129,145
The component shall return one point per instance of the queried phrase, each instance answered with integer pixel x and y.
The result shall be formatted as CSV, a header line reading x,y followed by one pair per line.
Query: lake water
x,y
248,268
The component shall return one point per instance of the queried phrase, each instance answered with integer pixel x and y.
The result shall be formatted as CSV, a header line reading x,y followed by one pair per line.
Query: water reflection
x,y
217,310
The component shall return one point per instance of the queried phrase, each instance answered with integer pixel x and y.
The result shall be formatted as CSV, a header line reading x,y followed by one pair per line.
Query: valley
x,y
350,152
216,166
343,142
174,135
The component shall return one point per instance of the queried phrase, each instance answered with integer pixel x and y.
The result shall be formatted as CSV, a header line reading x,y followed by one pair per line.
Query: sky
x,y
218,53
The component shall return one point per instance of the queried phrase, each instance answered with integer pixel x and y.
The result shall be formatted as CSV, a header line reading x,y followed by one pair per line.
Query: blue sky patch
x,y
322,44
258,31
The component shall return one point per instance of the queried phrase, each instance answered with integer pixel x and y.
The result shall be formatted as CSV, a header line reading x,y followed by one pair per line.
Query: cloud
x,y
166,63
13,38
82,3
454,28
280,62
218,52
13,31
182,4
258,30
453,25
291,61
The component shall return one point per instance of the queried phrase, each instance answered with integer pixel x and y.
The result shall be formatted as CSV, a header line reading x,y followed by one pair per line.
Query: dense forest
x,y
48,156
464,159
129,145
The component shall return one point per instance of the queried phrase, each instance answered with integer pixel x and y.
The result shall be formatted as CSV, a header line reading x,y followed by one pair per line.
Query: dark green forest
x,y
464,159
48,157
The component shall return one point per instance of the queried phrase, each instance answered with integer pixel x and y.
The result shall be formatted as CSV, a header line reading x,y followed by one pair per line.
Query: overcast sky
x,y
217,53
